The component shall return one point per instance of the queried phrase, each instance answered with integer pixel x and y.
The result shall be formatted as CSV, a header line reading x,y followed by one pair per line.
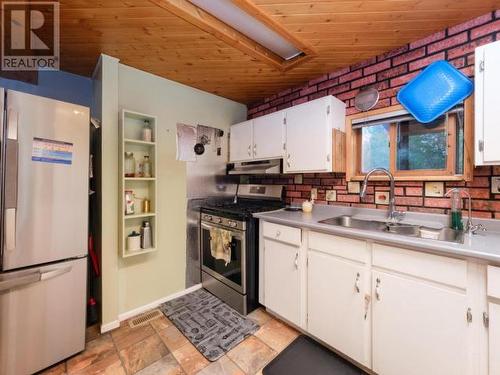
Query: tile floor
x,y
159,348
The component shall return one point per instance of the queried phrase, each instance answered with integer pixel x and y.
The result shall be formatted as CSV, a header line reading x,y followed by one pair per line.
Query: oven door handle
x,y
237,233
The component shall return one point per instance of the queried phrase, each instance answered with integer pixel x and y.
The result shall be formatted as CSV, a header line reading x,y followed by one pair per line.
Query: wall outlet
x,y
331,195
297,179
353,187
314,193
381,197
495,185
434,189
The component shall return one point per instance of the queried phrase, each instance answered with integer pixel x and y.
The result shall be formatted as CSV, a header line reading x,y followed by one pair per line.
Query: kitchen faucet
x,y
392,213
470,228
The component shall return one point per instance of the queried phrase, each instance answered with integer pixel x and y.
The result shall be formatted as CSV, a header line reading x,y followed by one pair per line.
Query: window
x,y
393,139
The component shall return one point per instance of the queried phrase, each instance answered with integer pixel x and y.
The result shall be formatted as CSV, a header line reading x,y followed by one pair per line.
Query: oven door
x,y
234,273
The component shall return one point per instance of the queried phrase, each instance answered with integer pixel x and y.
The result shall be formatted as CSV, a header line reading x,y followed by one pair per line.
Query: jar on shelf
x,y
129,164
147,132
146,167
129,202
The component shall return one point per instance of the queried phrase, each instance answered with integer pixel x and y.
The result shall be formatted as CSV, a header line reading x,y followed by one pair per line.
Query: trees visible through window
x,y
398,142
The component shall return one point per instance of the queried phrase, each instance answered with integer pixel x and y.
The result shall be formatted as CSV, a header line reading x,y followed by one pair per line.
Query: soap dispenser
x,y
456,210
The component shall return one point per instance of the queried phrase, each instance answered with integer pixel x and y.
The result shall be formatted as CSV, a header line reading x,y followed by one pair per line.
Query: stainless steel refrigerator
x,y
44,213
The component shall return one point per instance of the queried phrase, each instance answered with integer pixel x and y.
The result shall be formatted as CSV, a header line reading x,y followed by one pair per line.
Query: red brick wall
x,y
389,72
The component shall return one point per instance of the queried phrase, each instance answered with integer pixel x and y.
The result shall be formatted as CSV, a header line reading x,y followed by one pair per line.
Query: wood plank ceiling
x,y
148,37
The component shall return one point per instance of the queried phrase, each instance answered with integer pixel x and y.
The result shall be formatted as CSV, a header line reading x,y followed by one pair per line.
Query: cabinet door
x,y
418,328
494,338
336,307
487,109
281,279
308,138
268,136
240,141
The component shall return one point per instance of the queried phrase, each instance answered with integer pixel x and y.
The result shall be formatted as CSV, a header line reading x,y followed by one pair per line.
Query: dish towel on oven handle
x,y
220,244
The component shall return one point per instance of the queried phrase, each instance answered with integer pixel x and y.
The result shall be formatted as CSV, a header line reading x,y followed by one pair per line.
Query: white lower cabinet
x,y
282,279
418,328
392,310
494,338
337,313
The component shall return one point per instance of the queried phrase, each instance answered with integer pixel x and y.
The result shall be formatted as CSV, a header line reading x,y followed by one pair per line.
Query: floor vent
x,y
145,318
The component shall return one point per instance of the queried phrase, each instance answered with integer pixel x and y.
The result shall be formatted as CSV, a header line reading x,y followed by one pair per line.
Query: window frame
x,y
354,150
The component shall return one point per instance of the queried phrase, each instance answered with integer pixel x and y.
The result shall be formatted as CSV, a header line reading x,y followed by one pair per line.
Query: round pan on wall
x,y
366,99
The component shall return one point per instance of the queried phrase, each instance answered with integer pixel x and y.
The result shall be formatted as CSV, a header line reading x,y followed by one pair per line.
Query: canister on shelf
x,y
146,205
134,241
129,202
146,237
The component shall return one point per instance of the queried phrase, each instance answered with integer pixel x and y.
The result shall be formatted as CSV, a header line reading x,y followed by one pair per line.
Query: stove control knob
x,y
218,220
232,224
208,217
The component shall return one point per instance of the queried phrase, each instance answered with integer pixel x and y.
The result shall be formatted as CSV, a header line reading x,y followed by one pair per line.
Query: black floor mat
x,y
306,356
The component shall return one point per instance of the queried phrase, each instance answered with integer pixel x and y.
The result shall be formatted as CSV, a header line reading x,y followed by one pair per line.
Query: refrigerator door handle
x,y
19,281
54,273
11,180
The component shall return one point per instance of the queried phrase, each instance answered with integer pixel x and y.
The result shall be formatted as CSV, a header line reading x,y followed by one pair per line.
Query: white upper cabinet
x,y
308,134
241,142
487,110
303,135
268,136
257,139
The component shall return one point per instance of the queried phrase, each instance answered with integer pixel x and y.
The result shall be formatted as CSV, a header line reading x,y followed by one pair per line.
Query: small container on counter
x,y
307,206
146,205
456,211
134,241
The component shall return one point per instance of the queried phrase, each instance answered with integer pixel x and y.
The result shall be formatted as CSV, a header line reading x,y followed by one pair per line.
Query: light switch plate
x,y
495,185
314,193
331,195
297,179
353,187
434,189
381,197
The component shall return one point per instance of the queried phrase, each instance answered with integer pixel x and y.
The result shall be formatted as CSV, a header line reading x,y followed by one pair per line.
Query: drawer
x,y
444,270
282,233
493,281
339,246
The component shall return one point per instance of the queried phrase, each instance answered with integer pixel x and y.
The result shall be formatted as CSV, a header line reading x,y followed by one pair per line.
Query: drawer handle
x,y
377,289
249,150
356,283
296,261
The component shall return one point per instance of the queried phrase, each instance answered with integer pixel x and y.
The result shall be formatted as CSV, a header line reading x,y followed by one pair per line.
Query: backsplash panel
x,y
389,72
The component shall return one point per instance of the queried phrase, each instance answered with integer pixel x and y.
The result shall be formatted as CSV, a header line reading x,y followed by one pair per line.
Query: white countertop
x,y
484,245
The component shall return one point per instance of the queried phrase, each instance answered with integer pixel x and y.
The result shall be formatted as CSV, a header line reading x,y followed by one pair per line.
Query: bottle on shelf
x,y
129,164
146,240
147,132
146,167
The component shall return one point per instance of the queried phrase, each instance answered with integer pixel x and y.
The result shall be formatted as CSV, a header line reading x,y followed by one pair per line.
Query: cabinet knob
x,y
356,283
278,233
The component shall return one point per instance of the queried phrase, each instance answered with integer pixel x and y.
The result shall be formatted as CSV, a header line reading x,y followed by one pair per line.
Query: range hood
x,y
255,167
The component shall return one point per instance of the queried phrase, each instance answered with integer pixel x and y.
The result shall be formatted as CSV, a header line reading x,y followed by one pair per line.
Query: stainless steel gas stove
x,y
232,275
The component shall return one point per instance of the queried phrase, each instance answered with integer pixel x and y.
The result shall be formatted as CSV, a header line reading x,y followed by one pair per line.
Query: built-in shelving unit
x,y
131,127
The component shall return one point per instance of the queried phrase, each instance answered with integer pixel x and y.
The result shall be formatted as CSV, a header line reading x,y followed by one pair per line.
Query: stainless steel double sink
x,y
411,230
